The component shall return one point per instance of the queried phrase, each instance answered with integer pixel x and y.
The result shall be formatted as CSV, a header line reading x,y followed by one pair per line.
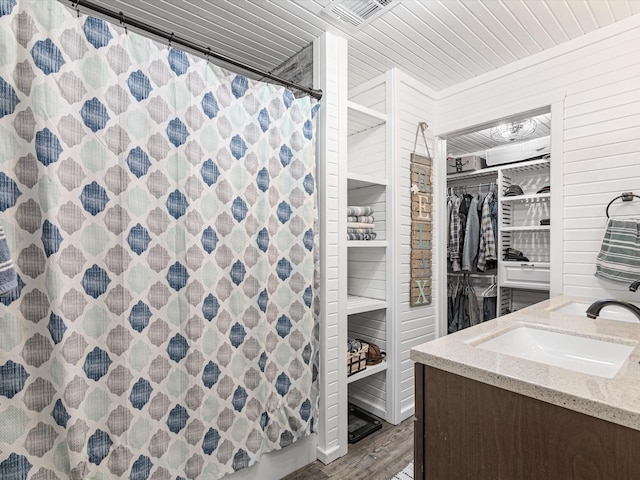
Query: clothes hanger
x,y
490,291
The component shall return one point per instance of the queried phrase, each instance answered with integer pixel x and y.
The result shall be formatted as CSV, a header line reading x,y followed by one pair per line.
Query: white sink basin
x,y
610,312
581,354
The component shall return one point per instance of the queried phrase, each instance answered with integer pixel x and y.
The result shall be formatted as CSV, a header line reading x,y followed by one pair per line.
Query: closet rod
x,y
474,275
471,186
172,38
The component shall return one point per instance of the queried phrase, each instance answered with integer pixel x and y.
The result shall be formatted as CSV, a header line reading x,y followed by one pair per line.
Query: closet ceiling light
x,y
513,131
355,14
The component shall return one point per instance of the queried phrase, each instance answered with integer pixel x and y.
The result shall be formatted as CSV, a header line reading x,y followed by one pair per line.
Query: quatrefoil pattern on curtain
x,y
162,217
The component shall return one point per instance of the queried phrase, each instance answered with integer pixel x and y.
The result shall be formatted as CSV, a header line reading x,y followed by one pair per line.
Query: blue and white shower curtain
x,y
161,214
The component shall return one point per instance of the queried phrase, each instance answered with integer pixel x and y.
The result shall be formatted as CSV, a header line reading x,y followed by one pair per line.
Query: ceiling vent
x,y
355,14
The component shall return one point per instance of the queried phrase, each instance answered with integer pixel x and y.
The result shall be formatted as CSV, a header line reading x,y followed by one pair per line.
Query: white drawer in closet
x,y
531,275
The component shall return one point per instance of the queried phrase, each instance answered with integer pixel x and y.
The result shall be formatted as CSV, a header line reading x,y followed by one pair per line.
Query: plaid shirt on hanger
x,y
454,234
487,235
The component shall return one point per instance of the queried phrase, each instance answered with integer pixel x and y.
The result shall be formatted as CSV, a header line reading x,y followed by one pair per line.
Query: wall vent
x,y
355,14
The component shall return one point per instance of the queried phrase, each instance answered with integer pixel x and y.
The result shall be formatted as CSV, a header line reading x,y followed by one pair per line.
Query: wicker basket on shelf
x,y
357,360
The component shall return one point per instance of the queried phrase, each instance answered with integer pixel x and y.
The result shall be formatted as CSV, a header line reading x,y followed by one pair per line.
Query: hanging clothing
x,y
489,308
454,235
472,235
490,302
459,311
452,293
465,204
473,308
487,249
463,308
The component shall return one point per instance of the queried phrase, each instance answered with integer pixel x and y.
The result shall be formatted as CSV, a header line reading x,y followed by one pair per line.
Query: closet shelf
x,y
529,166
533,228
533,197
485,172
362,118
359,180
526,166
357,304
366,243
518,263
370,370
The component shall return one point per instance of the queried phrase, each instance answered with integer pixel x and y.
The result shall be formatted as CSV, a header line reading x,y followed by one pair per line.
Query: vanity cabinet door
x,y
466,429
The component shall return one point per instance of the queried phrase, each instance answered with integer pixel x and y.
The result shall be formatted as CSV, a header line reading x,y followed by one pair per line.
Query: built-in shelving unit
x,y
523,283
367,263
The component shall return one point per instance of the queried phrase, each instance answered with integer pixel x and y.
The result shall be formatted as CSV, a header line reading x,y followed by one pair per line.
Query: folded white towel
x,y
360,225
361,218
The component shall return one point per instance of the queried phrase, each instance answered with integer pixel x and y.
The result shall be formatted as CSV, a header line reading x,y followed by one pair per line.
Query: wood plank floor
x,y
377,457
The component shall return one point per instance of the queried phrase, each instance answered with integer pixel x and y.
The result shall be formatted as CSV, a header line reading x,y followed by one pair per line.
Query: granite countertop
x,y
614,399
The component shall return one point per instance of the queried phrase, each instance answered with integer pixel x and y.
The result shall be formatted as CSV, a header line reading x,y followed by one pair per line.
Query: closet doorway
x,y
497,237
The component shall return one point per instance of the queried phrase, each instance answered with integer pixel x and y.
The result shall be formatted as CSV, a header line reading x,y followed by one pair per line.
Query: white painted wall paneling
x,y
367,272
330,56
412,102
367,152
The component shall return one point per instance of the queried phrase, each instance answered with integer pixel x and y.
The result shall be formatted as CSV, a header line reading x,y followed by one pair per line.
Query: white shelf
x,y
370,370
527,165
363,118
358,180
532,228
357,304
530,264
533,197
367,243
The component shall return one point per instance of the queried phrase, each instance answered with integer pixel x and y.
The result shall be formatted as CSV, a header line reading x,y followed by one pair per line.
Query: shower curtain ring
x,y
170,39
208,56
123,24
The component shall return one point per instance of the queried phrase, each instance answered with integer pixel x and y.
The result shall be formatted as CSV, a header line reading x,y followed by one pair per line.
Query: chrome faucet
x,y
594,309
634,286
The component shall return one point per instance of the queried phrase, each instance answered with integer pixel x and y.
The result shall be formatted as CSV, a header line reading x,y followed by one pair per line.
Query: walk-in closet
x,y
498,227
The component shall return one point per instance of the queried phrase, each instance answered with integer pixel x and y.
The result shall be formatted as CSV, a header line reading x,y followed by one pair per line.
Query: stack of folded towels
x,y
360,223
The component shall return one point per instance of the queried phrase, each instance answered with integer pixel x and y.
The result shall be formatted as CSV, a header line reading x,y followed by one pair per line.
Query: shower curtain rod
x,y
172,38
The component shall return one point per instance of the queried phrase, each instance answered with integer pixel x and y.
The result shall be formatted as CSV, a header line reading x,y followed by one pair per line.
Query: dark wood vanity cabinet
x,y
465,429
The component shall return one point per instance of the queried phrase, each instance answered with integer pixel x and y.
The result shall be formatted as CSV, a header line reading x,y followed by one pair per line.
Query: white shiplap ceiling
x,y
441,43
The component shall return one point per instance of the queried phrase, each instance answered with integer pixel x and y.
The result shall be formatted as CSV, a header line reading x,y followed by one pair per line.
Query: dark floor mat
x,y
361,423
